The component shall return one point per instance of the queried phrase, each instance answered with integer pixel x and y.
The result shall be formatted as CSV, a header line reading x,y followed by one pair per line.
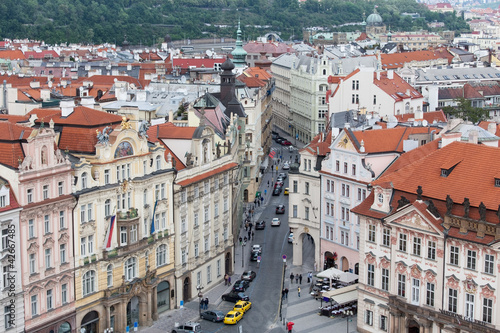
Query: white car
x,y
275,222
257,248
290,238
286,166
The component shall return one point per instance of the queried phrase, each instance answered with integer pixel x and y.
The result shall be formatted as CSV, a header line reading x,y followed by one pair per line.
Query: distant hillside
x,y
146,22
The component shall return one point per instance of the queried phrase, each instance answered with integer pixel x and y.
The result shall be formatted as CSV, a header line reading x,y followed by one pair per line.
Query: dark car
x,y
214,315
235,297
279,139
282,175
261,225
277,191
280,209
248,275
254,256
241,285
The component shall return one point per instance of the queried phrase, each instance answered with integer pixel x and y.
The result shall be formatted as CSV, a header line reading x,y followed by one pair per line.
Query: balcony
x,y
128,215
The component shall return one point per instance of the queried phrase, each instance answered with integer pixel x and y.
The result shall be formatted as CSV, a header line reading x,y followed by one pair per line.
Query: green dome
x,y
374,19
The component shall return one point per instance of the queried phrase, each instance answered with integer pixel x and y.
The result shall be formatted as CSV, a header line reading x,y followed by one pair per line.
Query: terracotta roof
x,y
151,56
482,124
107,80
362,36
397,60
432,116
10,131
274,48
412,155
396,87
41,55
170,131
197,63
470,91
81,117
207,174
13,204
12,54
78,139
318,146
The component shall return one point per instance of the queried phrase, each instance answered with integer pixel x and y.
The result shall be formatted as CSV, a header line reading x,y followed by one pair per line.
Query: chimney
x,y
473,136
67,107
378,76
390,74
492,128
87,101
5,94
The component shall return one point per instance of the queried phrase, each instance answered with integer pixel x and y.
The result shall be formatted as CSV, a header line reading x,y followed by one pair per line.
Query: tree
x,y
466,111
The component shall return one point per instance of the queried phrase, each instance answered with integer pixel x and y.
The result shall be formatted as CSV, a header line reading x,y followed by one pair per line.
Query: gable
x,y
411,218
344,142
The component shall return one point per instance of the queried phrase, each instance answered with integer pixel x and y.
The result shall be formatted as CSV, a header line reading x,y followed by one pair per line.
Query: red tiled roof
x,y
207,174
275,48
432,116
107,80
397,60
13,204
12,54
81,116
10,153
170,131
318,146
41,55
197,63
412,155
78,139
484,125
396,87
10,131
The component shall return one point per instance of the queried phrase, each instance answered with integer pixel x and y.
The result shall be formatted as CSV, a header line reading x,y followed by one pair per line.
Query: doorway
x,y
413,327
90,323
163,296
227,264
186,295
133,311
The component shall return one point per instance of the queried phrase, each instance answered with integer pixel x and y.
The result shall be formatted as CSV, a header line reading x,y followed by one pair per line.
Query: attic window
x,y
497,182
445,172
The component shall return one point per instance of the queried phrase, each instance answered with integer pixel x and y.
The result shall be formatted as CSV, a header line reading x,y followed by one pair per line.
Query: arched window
x,y
158,162
324,71
161,255
130,269
107,207
84,180
109,272
407,107
88,282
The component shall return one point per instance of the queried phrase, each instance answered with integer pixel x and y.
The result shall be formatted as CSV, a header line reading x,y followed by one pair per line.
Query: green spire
x,y
239,53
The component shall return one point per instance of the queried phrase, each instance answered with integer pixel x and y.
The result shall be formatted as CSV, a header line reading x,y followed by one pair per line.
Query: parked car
x,y
286,191
277,191
242,306
279,139
282,175
188,327
290,238
240,285
233,317
260,225
285,143
254,256
213,315
248,275
257,247
286,166
275,222
279,180
234,297
280,209
278,183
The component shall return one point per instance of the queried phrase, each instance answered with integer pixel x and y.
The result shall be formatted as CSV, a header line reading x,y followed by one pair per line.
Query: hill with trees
x,y
146,22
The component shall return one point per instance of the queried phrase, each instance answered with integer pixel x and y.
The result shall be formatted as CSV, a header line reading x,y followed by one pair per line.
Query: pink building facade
x,y
44,192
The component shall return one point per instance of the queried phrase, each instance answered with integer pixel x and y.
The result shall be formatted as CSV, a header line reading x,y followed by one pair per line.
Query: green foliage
x,y
466,111
145,21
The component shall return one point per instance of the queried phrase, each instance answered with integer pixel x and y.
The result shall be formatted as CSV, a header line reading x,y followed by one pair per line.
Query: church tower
x,y
239,54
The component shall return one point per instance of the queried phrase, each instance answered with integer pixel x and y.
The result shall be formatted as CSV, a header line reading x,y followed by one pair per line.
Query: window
x,y
198,278
46,224
118,173
106,177
107,208
83,212
157,192
386,237
487,310
32,264
130,269
355,85
5,238
370,279
29,194
123,235
294,211
83,246
158,162
355,99
88,282
206,187
206,215
344,238
218,267
133,233
454,250
226,205
402,242
62,253
216,209
216,239
196,219
307,188
337,165
452,300
50,304
8,320
225,233
429,299
471,259
295,186
162,191
489,263
48,258
45,192
369,317
431,250
415,291
206,244
62,224
3,200
34,305
161,255
109,276
90,243
183,256
374,99
64,293
383,323
84,180
183,225
417,245
163,220
371,233
354,169
196,250
401,285
469,306
209,273
60,188
385,279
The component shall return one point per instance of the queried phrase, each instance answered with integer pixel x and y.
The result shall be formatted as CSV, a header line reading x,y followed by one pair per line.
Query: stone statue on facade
x,y
143,129
482,211
419,192
103,138
466,207
449,204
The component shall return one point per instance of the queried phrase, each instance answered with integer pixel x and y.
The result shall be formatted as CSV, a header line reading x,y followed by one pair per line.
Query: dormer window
x,y
380,198
497,182
84,180
445,172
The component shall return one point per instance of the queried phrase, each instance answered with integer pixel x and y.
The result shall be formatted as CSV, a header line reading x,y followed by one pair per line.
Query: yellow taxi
x,y
286,191
242,306
233,317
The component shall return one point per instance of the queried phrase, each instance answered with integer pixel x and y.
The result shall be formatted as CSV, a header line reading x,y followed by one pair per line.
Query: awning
x,y
343,295
337,274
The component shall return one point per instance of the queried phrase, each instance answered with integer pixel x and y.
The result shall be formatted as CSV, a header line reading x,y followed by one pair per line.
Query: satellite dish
x,y
425,122
209,53
183,79
50,84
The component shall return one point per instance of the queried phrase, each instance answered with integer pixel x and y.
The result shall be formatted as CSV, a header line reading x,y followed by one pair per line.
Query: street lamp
x,y
348,315
200,296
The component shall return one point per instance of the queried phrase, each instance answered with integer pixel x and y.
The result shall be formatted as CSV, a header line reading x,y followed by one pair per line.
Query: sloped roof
x,y
81,117
319,145
12,54
397,60
11,138
430,117
207,174
274,48
170,131
41,55
396,87
197,63
13,204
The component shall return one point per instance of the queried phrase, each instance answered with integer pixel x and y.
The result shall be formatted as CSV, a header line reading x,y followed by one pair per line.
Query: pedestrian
x,y
291,277
229,280
297,278
268,183
225,279
246,226
241,239
249,234
300,278
245,240
289,326
253,235
309,276
283,294
286,292
298,291
206,303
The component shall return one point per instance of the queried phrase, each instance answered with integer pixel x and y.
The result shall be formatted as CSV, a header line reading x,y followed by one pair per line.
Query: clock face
x,y
345,140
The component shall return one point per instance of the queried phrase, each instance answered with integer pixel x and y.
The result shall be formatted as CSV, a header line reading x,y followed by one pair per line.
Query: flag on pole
x,y
109,235
153,219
